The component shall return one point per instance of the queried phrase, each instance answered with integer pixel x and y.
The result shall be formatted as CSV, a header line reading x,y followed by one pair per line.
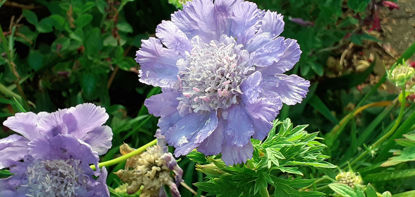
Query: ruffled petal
x,y
24,123
265,50
272,22
64,147
292,89
245,19
223,14
163,104
99,139
173,38
158,64
212,145
261,106
191,130
286,62
197,18
12,148
232,155
239,128
83,118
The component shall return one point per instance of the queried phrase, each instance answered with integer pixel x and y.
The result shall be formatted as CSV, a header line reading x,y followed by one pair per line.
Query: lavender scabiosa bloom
x,y
56,166
52,155
152,170
220,65
84,122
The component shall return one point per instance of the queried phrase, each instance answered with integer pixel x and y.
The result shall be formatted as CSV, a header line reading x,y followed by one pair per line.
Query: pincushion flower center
x,y
55,178
211,74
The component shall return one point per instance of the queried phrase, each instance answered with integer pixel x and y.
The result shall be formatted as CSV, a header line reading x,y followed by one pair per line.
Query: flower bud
x,y
401,74
349,178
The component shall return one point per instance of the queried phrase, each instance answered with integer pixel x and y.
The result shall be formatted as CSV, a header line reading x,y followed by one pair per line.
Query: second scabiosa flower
x,y
220,65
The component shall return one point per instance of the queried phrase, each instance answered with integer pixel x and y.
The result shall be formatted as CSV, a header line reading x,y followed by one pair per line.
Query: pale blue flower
x,y
220,66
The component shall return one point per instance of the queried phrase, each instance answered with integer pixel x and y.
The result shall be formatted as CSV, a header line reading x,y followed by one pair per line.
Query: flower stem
x,y
126,156
389,133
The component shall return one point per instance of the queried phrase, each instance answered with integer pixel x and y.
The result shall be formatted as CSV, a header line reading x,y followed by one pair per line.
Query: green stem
x,y
7,92
389,133
126,156
264,191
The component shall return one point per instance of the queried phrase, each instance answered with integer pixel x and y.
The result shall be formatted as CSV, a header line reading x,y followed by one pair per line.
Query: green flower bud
x,y
401,74
349,178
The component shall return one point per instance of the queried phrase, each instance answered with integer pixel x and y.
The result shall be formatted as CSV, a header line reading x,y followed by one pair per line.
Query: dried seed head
x,y
150,169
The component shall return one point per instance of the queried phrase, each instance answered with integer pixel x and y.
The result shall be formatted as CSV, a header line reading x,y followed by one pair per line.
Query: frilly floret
x,y
221,67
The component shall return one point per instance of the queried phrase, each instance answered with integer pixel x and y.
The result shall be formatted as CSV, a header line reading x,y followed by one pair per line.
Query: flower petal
x,y
12,148
292,89
212,145
173,38
223,13
84,118
24,123
232,155
197,18
245,18
265,50
162,104
239,128
261,106
272,22
99,139
191,130
63,147
158,64
286,62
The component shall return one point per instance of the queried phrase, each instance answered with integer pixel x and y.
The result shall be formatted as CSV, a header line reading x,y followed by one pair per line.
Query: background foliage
x,y
56,54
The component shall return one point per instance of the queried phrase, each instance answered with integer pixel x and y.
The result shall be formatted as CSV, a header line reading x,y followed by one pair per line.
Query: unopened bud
x,y
349,178
401,74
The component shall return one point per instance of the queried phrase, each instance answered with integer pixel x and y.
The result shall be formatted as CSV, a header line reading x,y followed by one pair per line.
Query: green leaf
x,y
358,5
405,194
83,20
313,164
45,25
30,17
123,26
93,42
317,68
317,104
342,189
391,175
197,157
58,21
370,191
35,60
88,83
4,173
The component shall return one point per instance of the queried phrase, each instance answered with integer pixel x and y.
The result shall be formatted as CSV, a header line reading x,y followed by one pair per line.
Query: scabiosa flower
x,y
84,122
220,65
57,166
52,155
152,170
